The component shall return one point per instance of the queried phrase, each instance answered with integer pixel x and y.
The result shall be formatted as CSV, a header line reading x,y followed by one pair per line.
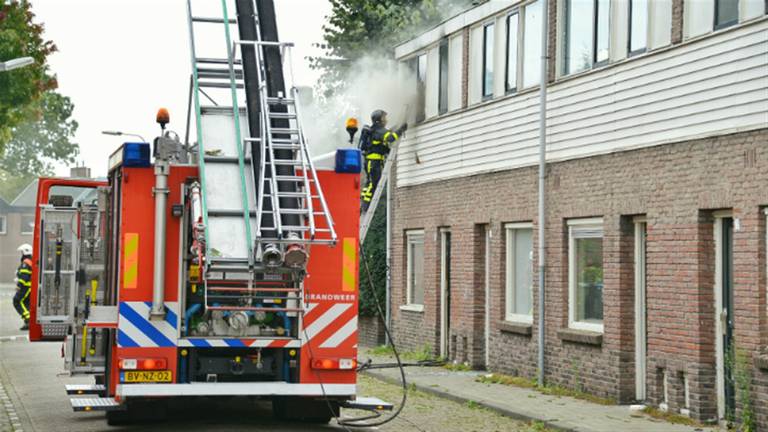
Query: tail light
x,y
143,364
334,364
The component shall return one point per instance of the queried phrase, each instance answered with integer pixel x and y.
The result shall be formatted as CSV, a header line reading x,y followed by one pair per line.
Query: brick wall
x,y
370,331
677,187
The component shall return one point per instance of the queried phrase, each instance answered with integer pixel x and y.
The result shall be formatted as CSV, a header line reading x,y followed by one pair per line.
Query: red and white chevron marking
x,y
329,325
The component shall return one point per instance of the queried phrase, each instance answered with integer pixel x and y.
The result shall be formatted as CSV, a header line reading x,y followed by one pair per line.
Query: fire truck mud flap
x,y
368,403
96,404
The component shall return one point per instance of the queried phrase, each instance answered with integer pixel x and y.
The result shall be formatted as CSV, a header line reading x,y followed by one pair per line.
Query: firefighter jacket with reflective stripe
x,y
381,140
24,274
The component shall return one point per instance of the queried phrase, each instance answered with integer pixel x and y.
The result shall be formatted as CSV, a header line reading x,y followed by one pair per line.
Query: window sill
x,y
412,308
521,328
585,337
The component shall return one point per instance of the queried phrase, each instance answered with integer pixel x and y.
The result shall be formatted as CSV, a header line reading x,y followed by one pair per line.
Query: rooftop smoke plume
x,y
372,83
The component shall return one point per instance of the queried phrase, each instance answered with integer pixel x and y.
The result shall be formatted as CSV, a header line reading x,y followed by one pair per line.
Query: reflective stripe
x,y
25,283
25,313
374,156
25,271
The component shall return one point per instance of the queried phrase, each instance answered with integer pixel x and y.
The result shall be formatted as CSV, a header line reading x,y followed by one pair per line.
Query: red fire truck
x,y
213,268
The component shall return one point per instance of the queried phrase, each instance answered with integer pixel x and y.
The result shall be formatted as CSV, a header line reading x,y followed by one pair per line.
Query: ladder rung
x,y
275,100
284,131
284,116
210,84
285,141
213,20
226,159
288,162
302,228
293,195
214,73
216,60
276,146
289,178
225,213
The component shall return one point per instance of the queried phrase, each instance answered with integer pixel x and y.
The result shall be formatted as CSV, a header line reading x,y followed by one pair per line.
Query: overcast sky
x,y
120,60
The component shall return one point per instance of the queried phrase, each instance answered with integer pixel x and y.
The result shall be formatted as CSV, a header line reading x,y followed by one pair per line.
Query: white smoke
x,y
372,83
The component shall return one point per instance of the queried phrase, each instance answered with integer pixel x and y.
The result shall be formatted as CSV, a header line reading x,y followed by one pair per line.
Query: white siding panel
x,y
455,62
661,23
500,56
708,87
699,17
749,9
433,82
476,65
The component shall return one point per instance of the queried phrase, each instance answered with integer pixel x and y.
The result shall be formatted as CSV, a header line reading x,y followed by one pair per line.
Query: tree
x,y
20,89
36,144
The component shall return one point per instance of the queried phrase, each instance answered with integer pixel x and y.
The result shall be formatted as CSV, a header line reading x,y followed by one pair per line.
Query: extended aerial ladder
x,y
261,202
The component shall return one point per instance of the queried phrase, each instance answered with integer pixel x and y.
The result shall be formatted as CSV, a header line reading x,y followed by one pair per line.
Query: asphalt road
x,y
32,398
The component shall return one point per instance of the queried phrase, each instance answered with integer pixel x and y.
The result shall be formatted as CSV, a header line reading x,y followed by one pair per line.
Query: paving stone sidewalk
x,y
562,413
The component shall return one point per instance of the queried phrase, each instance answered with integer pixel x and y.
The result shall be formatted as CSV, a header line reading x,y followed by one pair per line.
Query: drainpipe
x,y
162,168
388,289
542,178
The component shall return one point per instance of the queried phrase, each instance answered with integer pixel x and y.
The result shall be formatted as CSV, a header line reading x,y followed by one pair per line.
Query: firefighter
x,y
23,284
376,142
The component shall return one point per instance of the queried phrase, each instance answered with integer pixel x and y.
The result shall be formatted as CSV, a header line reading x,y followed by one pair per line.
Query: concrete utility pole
x,y
16,63
542,178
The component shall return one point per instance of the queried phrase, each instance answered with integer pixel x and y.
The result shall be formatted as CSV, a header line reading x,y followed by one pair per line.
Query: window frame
x,y
510,272
643,50
3,224
716,26
32,230
518,40
421,86
595,62
523,29
412,237
487,93
581,224
442,87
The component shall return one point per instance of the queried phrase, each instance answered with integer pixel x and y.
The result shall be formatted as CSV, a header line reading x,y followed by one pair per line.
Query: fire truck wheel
x,y
304,410
118,418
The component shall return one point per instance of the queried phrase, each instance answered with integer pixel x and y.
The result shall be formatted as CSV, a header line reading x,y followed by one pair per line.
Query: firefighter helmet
x,y
378,116
25,249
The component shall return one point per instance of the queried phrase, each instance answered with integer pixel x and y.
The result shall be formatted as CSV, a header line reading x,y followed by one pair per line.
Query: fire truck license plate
x,y
146,376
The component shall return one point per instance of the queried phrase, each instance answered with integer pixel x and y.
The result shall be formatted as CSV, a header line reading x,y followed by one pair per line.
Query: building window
x,y
421,86
532,44
586,35
513,26
27,224
3,225
442,103
638,26
726,13
488,60
585,274
519,272
415,268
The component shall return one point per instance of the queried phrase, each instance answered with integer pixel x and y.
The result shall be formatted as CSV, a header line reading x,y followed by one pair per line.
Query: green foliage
x,y
375,250
21,88
358,28
37,143
671,417
740,362
550,390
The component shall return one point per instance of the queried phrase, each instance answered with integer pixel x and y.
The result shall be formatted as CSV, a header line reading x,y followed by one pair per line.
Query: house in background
x,y
16,227
656,198
17,223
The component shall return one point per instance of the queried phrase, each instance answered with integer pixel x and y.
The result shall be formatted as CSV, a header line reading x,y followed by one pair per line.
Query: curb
x,y
462,400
